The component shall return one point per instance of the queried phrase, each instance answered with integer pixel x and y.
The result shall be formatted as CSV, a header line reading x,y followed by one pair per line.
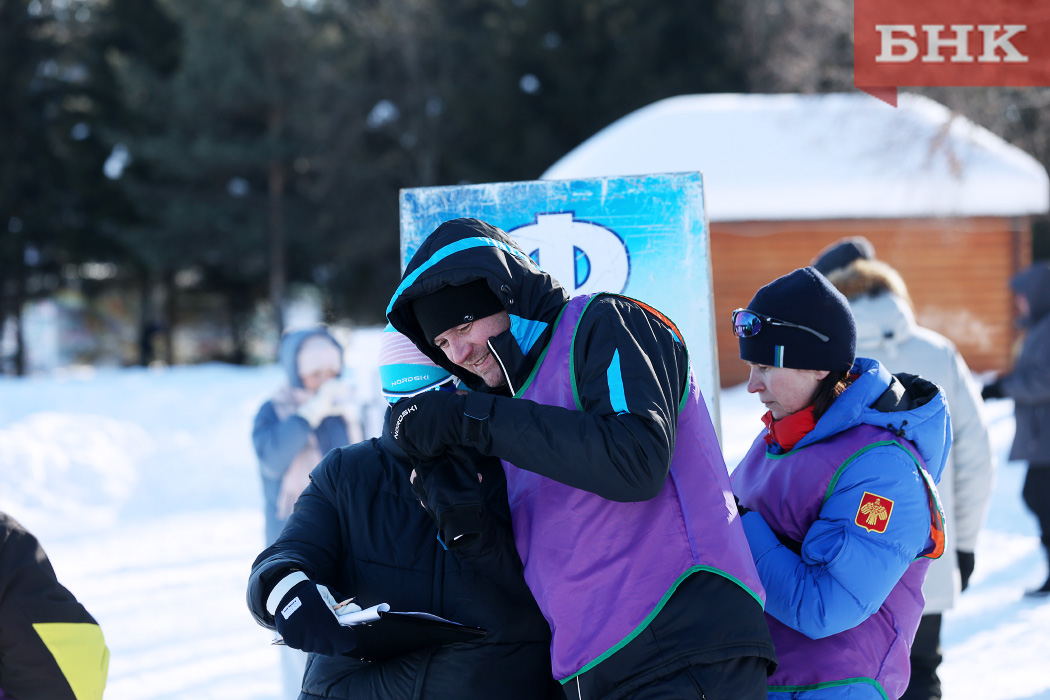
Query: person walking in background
x,y
837,494
311,414
50,646
887,332
1028,384
359,530
620,499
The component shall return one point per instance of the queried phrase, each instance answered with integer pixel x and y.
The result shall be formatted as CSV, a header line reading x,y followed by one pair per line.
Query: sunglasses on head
x,y
747,324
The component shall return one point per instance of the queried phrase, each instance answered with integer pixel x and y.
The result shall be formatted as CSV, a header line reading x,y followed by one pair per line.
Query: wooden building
x,y
944,201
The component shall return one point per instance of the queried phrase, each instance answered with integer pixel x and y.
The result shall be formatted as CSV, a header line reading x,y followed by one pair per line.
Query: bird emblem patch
x,y
874,512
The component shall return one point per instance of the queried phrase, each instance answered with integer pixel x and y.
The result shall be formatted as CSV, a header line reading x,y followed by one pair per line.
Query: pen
x,y
344,603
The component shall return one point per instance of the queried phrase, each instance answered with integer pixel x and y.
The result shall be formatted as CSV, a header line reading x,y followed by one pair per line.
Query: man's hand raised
x,y
425,424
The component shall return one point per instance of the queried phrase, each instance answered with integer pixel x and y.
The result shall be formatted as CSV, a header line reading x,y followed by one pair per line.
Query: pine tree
x,y
55,205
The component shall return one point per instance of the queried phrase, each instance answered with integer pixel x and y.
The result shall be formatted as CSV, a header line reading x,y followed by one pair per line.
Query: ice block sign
x,y
644,236
584,256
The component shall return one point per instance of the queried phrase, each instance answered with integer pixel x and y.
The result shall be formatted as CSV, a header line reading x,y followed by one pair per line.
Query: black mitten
x,y
425,424
965,560
306,619
450,490
993,390
739,508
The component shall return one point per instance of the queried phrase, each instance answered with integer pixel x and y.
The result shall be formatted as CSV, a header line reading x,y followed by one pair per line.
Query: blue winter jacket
x,y
843,589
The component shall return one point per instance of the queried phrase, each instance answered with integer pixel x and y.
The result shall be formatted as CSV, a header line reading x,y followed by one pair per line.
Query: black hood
x,y
906,392
461,251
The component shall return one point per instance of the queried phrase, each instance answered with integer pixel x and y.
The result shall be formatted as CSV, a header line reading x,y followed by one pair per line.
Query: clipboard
x,y
397,633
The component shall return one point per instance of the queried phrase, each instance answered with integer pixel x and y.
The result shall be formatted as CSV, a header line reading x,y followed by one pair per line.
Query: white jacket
x,y
887,332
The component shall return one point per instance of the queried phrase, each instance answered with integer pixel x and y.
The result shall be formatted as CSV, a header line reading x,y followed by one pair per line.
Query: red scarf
x,y
787,431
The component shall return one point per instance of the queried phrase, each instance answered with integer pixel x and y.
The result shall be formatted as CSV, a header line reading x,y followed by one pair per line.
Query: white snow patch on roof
x,y
843,155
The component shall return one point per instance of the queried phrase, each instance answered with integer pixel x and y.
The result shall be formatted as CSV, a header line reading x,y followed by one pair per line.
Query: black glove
x,y
739,508
993,390
965,560
449,489
307,621
424,425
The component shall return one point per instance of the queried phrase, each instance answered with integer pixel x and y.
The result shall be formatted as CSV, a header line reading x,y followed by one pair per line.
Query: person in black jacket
x,y
311,413
620,499
359,530
50,646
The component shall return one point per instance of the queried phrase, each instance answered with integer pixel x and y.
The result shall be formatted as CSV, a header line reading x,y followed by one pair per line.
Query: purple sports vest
x,y
601,570
789,490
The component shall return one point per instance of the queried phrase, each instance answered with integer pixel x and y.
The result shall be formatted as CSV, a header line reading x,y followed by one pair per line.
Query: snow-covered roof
x,y
848,155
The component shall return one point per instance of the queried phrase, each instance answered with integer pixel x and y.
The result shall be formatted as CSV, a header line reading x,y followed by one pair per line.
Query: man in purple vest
x,y
622,511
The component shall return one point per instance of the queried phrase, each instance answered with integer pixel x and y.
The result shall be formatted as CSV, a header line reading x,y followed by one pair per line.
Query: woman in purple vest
x,y
837,494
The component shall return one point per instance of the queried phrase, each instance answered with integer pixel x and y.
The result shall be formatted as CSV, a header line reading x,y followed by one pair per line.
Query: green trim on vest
x,y
849,460
543,355
831,684
782,455
572,355
927,480
931,488
656,611
789,453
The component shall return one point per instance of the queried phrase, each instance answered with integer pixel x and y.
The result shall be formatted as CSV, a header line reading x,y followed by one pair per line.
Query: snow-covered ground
x,y
142,486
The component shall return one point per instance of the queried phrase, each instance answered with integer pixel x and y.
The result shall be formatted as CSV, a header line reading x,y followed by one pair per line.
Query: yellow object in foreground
x,y
81,654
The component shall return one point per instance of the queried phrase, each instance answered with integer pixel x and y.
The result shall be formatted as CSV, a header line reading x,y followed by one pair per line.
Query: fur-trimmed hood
x,y
870,278
880,303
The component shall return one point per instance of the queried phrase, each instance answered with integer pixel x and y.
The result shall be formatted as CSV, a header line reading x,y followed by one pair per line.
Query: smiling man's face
x,y
466,346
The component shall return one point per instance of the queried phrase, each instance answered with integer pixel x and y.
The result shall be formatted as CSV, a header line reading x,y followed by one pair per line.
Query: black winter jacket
x,y
49,644
359,529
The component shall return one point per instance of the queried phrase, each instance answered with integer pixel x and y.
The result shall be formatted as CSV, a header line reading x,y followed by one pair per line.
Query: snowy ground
x,y
142,486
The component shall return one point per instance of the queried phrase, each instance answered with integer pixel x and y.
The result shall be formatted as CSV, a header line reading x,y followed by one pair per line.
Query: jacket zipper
x,y
506,375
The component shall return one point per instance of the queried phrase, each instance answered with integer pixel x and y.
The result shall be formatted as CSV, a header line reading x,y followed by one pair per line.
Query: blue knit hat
x,y
405,371
803,322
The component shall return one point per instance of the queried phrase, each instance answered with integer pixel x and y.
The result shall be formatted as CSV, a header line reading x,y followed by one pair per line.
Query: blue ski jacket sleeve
x,y
843,572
